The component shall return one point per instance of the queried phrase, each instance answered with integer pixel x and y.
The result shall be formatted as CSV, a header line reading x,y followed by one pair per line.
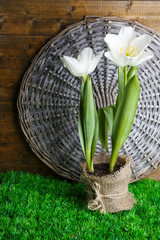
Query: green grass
x,y
37,207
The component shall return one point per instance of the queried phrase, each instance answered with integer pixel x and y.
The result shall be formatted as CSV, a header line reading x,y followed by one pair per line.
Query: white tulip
x,y
126,48
85,63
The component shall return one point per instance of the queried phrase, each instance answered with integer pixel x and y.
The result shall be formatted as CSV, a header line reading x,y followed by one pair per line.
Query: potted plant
x,y
107,180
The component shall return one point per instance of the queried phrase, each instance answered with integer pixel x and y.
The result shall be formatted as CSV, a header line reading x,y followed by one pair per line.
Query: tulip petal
x,y
118,59
94,62
113,42
74,66
144,57
85,57
127,34
115,61
140,43
130,60
125,60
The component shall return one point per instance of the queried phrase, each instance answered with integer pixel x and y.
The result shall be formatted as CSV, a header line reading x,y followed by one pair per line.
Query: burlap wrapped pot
x,y
109,193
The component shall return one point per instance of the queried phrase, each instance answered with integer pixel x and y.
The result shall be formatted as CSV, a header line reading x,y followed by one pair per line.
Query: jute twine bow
x,y
97,203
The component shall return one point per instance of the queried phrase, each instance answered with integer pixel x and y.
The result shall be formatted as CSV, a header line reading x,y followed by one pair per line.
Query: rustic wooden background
x,y
25,26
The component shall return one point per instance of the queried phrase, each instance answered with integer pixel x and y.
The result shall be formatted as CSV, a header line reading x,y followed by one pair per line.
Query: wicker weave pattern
x,y
49,99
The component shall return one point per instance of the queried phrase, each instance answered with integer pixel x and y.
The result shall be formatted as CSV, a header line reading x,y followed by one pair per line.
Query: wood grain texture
x,y
49,17
25,26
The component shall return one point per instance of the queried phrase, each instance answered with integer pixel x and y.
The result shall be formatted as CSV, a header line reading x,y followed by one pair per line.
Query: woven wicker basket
x,y
49,99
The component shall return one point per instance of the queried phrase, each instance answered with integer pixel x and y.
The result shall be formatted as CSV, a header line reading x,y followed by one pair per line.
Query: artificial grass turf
x,y
37,207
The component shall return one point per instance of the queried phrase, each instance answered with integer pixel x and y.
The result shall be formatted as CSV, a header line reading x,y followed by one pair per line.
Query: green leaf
x,y
106,117
80,120
124,118
89,122
109,116
132,71
103,129
95,137
88,113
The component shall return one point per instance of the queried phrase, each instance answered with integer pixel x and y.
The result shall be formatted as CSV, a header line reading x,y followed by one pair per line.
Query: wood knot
x,y
2,20
129,5
70,10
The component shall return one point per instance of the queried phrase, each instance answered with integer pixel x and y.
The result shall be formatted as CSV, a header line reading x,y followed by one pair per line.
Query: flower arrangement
x,y
127,51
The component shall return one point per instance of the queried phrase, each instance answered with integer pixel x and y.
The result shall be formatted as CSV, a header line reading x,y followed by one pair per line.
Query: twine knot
x,y
97,203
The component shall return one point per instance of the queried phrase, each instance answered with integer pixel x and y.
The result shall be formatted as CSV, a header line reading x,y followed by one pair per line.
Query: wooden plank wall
x,y
25,26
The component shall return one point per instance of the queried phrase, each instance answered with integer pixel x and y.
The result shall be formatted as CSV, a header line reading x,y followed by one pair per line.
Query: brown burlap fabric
x,y
109,193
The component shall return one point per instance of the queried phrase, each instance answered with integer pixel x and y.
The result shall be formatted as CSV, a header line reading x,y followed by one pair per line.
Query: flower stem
x,y
113,159
90,167
125,75
111,168
84,78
